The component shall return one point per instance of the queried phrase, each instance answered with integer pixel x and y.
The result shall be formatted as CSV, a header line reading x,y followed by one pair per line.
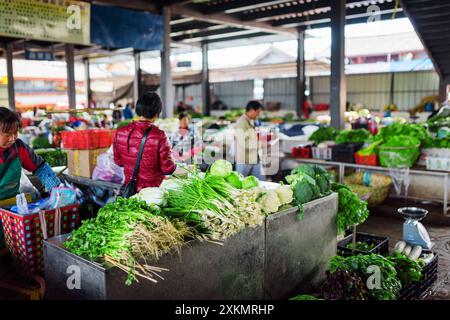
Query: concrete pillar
x,y
70,63
87,81
300,83
137,77
167,94
10,75
443,89
338,83
206,100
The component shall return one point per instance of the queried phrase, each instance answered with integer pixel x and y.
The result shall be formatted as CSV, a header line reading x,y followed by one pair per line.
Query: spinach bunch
x,y
390,285
443,143
353,136
412,130
351,209
343,285
408,270
324,134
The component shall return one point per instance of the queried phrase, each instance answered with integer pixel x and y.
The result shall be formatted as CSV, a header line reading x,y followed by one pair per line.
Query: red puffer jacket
x,y
156,159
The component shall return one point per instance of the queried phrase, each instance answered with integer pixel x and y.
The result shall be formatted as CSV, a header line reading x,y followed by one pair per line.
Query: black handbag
x,y
130,188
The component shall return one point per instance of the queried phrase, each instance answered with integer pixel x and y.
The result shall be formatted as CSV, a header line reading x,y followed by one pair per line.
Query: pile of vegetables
x,y
343,285
322,134
41,143
443,143
360,246
126,233
54,157
399,151
440,120
309,182
351,209
413,130
408,270
353,136
360,266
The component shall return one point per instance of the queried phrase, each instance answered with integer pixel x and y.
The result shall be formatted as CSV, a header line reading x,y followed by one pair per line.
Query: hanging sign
x,y
39,55
48,20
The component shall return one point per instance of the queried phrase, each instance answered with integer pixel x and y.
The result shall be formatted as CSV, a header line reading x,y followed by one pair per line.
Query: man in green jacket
x,y
247,162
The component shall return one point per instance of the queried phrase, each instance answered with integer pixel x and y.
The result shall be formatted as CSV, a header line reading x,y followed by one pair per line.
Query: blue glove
x,y
47,177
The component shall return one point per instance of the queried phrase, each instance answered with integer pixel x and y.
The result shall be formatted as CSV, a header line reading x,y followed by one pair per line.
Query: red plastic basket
x,y
24,236
87,139
301,152
371,160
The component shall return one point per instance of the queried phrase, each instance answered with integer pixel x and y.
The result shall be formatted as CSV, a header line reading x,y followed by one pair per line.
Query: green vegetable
x,y
361,246
55,158
41,143
351,209
412,130
125,232
250,182
235,180
371,149
353,136
323,134
363,264
405,152
443,143
221,168
408,270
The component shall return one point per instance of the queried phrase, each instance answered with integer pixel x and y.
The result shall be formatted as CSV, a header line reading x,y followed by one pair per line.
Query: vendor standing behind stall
x,y
15,155
247,162
156,159
186,141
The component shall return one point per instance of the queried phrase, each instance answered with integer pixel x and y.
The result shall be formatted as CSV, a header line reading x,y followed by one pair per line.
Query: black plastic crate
x,y
417,290
429,275
409,292
381,244
345,152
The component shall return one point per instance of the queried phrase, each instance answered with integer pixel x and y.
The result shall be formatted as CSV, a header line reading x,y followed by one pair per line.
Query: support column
x,y
87,81
443,93
300,87
206,100
70,63
338,83
10,75
137,77
167,94
391,88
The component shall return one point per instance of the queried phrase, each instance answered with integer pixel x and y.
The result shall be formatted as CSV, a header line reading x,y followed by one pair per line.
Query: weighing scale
x,y
414,233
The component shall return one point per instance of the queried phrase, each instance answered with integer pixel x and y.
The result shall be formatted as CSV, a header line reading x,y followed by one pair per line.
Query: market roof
x,y
430,19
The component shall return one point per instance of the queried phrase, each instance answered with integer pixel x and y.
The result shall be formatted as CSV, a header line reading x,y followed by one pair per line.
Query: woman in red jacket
x,y
156,159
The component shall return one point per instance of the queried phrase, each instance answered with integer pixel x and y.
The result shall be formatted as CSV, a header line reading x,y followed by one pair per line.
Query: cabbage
x,y
234,180
285,194
221,168
155,196
250,182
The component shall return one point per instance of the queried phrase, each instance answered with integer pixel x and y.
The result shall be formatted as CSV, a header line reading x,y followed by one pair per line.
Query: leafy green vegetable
x,y
55,158
399,151
363,266
125,232
408,270
235,180
441,119
371,149
351,209
443,143
41,143
250,182
412,130
324,134
353,136
361,246
343,285
221,168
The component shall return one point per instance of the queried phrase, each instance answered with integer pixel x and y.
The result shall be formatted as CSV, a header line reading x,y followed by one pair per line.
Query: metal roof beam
x,y
230,20
353,11
236,5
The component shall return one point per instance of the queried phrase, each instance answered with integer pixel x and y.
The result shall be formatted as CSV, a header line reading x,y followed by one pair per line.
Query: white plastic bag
x,y
107,170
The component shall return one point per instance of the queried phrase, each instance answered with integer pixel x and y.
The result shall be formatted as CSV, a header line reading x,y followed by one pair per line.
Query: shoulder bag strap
x,y
141,151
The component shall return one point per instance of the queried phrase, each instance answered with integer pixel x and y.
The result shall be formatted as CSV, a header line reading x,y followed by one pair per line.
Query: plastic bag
x,y
26,186
107,170
31,208
61,197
